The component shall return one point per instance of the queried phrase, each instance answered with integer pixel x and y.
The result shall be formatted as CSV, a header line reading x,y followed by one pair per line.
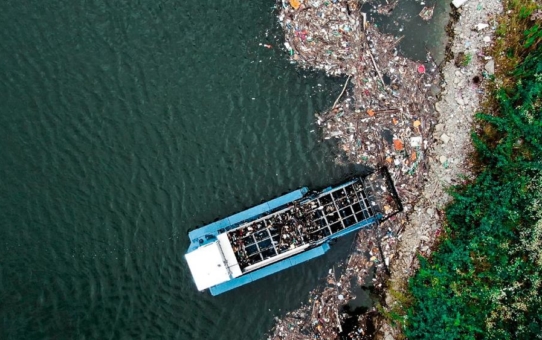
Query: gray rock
x,y
490,67
435,90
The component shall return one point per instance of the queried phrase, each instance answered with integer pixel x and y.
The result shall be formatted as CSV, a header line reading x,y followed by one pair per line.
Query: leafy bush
x,y
485,280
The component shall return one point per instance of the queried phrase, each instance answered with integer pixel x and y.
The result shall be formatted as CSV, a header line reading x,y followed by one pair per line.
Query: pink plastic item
x,y
421,69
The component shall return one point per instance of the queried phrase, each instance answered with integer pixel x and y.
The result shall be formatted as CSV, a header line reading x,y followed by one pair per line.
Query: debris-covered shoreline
x,y
386,115
383,117
463,76
323,315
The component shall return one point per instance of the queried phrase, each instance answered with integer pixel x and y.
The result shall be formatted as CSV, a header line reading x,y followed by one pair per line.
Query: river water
x,y
122,125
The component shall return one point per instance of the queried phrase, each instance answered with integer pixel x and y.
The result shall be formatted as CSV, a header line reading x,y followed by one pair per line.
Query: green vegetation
x,y
510,47
467,58
485,279
402,301
463,59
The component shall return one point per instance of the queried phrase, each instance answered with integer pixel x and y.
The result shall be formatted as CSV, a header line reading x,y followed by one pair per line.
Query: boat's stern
x,y
212,263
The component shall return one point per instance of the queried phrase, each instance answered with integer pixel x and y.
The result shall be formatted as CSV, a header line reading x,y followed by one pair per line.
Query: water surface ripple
x,y
122,125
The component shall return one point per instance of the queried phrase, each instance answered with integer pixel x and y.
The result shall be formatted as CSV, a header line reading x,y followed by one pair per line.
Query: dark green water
x,y
122,125
417,37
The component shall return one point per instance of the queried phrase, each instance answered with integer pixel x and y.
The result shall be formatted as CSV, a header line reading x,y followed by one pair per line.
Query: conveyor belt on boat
x,y
308,221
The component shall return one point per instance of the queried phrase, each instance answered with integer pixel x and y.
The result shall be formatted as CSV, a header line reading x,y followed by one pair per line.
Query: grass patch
x,y
396,314
510,45
467,58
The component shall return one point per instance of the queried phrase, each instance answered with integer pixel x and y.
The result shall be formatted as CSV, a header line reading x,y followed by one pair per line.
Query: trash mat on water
x,y
385,90
427,12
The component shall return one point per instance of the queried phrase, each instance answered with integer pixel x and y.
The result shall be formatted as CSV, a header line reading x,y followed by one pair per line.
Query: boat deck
x,y
302,224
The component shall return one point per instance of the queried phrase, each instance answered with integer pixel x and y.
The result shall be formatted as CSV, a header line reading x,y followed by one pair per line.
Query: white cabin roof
x,y
229,255
210,266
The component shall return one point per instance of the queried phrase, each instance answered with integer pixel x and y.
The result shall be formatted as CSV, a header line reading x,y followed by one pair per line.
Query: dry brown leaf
x,y
398,144
389,160
395,121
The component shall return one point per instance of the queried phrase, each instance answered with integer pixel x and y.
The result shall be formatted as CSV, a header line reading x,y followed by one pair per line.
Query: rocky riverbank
x,y
449,158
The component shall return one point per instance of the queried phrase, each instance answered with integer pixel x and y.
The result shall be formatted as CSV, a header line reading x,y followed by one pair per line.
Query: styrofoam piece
x,y
458,3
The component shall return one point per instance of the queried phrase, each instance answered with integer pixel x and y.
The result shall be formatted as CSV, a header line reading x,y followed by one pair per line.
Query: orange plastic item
x,y
371,112
295,3
413,156
398,144
417,123
395,121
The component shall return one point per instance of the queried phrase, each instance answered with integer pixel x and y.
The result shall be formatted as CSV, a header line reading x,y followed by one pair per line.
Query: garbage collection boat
x,y
286,231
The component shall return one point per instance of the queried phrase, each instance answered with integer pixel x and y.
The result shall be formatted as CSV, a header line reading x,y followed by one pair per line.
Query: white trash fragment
x,y
458,3
288,46
415,141
480,26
